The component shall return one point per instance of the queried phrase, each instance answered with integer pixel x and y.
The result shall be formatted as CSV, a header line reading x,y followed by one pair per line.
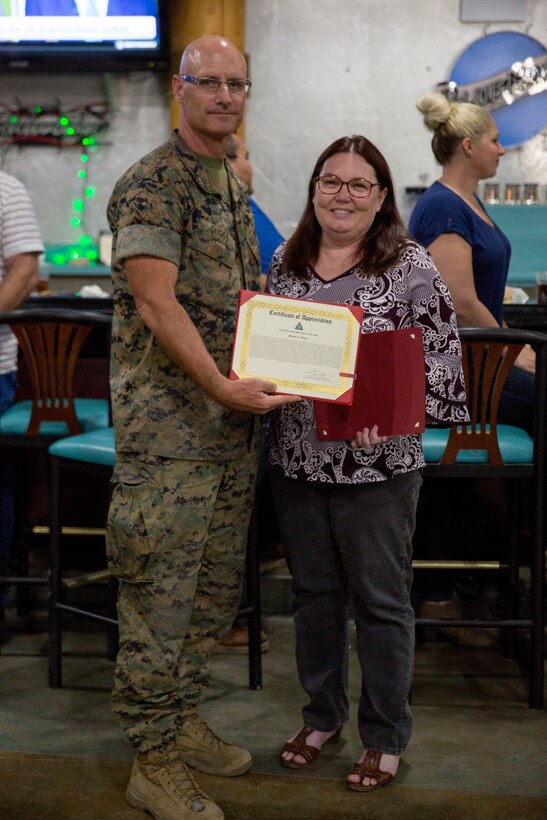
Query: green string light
x,y
85,247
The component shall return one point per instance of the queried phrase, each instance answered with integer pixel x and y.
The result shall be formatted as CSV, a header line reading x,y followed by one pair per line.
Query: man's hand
x,y
248,395
152,282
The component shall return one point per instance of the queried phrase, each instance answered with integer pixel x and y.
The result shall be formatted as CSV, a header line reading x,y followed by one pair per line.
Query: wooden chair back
x,y
486,365
51,350
51,341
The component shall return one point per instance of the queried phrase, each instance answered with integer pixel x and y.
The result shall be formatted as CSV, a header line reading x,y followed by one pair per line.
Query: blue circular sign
x,y
496,53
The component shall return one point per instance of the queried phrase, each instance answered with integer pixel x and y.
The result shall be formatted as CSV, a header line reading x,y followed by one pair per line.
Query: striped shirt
x,y
19,233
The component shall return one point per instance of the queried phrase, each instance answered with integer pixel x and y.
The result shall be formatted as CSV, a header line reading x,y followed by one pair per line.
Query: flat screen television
x,y
84,35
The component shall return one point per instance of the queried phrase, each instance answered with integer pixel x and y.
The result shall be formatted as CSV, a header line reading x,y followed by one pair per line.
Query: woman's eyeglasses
x,y
331,184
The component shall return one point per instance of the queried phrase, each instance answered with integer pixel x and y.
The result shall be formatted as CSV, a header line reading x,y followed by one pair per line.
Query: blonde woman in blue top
x,y
469,250
472,255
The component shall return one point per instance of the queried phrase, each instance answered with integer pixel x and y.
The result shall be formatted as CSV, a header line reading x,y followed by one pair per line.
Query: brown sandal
x,y
370,767
298,746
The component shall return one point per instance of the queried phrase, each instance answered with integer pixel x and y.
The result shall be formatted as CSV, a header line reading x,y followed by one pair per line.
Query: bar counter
x,y
70,301
528,317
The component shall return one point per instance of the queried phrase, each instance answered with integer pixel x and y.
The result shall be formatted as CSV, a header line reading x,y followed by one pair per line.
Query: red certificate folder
x,y
389,389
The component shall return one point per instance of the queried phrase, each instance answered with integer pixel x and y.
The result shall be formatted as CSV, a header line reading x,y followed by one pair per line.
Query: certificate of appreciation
x,y
308,349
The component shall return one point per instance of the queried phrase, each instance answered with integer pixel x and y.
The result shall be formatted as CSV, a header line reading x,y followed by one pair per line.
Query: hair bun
x,y
435,108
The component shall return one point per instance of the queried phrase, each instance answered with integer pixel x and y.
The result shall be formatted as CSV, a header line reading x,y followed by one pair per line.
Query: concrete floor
x,y
478,751
473,729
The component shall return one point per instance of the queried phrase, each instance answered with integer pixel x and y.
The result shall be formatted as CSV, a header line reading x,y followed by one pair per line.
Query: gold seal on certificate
x,y
308,349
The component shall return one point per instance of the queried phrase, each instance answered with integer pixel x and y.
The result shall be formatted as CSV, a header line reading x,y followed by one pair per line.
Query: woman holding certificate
x,y
347,508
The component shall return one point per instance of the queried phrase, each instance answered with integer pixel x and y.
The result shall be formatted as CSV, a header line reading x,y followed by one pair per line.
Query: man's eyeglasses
x,y
331,184
211,85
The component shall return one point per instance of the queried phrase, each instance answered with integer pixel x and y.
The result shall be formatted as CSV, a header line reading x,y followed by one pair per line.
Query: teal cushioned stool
x,y
95,452
92,414
88,453
53,346
516,446
96,447
484,449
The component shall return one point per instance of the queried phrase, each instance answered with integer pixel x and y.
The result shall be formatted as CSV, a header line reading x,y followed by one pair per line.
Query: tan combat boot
x,y
162,785
200,748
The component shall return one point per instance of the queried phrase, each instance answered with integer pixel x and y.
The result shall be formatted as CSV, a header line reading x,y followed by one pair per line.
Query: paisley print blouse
x,y
410,294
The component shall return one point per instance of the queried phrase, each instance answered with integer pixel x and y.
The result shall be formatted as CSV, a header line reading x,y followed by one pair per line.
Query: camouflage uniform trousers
x,y
176,541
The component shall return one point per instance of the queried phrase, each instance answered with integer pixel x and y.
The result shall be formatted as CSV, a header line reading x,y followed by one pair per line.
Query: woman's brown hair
x,y
380,247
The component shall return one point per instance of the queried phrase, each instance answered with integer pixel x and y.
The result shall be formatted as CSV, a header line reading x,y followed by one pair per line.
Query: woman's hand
x,y
526,360
367,438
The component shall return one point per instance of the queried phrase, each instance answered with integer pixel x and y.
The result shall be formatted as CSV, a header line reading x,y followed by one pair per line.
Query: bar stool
x,y
95,453
50,344
486,449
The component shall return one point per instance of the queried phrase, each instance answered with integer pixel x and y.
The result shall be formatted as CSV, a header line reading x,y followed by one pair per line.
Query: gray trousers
x,y
176,541
353,539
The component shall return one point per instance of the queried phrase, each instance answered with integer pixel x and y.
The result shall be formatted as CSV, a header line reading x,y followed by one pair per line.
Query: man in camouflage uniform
x,y
184,244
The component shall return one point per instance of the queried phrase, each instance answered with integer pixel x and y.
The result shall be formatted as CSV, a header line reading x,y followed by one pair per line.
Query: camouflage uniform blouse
x,y
167,206
410,294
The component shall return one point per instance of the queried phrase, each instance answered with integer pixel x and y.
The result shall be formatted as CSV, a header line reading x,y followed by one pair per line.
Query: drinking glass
x,y
491,193
512,194
541,287
530,194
